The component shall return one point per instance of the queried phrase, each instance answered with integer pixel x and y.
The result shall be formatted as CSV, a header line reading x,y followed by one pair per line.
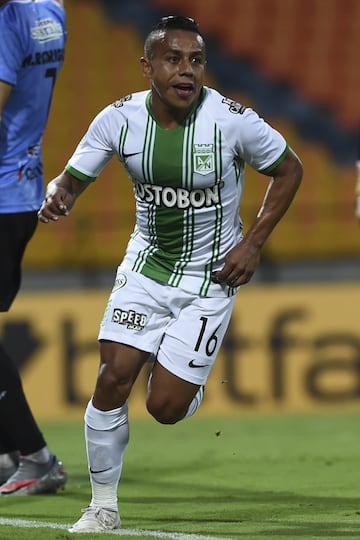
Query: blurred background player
x,y
185,147
33,35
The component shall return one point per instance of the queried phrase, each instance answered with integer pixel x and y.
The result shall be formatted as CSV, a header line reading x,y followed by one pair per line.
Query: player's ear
x,y
146,67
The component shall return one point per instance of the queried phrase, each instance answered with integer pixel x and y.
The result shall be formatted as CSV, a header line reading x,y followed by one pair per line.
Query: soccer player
x,y
32,40
184,147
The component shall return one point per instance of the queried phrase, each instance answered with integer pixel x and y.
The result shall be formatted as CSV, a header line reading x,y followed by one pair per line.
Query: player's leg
x,y
170,398
107,433
130,331
16,432
136,319
38,470
185,357
9,455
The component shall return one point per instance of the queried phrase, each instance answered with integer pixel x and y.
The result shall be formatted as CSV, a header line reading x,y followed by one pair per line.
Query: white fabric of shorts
x,y
182,330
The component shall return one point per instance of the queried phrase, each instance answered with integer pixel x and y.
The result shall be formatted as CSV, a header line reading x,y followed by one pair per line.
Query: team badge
x,y
204,158
120,281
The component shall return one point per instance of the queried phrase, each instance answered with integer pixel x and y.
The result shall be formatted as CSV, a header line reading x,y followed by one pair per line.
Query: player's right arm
x,y
92,154
61,194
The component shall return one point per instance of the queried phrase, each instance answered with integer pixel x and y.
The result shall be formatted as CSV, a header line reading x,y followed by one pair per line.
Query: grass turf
x,y
284,476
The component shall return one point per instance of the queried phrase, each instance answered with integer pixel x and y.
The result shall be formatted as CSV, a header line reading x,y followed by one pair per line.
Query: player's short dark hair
x,y
171,22
177,22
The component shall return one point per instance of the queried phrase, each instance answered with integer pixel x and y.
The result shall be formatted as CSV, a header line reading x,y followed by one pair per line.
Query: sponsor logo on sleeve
x,y
234,107
120,102
46,30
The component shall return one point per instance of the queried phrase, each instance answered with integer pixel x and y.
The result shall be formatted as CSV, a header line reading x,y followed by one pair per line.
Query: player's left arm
x,y
242,260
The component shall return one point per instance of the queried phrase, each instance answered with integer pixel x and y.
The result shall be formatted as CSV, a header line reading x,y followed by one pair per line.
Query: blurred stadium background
x,y
296,63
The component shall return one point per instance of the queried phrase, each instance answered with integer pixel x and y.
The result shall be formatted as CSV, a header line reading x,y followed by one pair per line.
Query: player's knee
x,y
165,412
112,380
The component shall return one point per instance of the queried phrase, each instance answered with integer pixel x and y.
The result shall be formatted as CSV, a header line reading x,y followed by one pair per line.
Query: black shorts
x,y
15,232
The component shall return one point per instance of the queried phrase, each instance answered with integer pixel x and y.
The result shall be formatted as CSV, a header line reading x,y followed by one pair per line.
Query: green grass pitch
x,y
250,477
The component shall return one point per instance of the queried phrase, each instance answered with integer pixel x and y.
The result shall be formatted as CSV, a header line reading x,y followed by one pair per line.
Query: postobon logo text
x,y
131,319
181,198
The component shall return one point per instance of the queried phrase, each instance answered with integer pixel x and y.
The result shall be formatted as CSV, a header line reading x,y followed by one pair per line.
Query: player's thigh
x,y
192,340
119,367
119,362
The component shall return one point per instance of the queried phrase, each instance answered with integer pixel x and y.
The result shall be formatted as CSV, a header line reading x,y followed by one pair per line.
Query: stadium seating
x,y
313,44
102,64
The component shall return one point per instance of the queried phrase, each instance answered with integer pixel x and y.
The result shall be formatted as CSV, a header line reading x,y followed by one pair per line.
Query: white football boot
x,y
97,519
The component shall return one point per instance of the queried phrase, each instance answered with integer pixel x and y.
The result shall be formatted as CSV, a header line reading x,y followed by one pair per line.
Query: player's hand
x,y
56,203
240,265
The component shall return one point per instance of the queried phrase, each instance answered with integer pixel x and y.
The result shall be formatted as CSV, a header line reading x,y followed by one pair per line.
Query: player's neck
x,y
166,116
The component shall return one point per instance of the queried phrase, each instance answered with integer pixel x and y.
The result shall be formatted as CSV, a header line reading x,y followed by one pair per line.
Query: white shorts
x,y
182,330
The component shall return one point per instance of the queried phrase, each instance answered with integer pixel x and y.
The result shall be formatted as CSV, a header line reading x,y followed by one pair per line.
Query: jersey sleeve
x,y
259,144
11,48
98,146
251,138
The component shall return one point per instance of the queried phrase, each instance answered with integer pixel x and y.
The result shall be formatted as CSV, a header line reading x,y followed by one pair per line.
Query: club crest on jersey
x,y
204,158
120,281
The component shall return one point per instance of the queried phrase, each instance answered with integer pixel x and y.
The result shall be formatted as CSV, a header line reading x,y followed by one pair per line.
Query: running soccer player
x,y
184,147
32,40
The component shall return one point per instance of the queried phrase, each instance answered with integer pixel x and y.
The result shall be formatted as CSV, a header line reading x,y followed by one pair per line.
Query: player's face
x,y
176,71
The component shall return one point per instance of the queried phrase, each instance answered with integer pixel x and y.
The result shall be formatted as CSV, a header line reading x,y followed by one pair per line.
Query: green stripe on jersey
x,y
168,162
188,214
79,175
218,222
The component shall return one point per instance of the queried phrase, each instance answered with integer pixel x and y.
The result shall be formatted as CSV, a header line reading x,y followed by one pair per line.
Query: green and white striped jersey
x,y
187,182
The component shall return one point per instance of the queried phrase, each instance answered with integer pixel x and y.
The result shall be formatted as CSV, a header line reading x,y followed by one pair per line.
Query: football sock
x,y
196,402
41,456
107,436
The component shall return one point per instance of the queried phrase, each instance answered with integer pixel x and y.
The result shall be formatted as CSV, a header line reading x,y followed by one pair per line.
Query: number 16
x,y
211,342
